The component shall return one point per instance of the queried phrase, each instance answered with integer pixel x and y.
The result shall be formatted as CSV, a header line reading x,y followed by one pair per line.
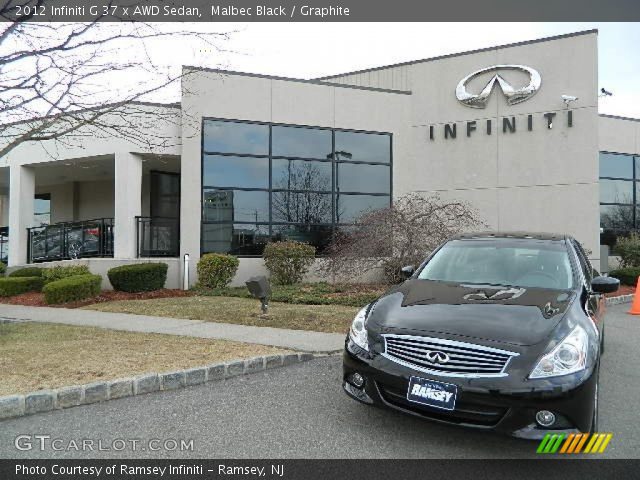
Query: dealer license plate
x,y
431,393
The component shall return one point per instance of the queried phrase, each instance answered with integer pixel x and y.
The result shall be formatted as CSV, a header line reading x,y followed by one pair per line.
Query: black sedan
x,y
492,331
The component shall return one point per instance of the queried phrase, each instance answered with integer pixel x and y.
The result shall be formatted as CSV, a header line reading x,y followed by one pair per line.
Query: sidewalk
x,y
299,340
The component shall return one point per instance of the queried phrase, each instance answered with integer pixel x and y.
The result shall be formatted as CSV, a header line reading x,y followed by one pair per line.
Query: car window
x,y
517,262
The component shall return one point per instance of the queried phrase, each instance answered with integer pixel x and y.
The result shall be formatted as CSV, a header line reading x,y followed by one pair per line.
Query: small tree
x,y
287,262
400,235
628,248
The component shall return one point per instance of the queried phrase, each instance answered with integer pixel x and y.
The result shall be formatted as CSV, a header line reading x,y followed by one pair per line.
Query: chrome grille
x,y
446,357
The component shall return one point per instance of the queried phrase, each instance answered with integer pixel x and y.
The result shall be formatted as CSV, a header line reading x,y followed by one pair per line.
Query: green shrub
x,y
139,277
15,286
627,276
216,270
71,289
628,248
27,272
287,262
63,271
3,269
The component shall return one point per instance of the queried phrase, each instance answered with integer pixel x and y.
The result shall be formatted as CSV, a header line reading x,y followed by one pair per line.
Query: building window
x,y
264,182
619,195
42,209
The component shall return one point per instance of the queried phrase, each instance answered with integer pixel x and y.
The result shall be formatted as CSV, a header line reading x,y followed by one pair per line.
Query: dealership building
x,y
246,159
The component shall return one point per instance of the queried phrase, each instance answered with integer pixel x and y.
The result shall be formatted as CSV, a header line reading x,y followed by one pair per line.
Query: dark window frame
x,y
334,225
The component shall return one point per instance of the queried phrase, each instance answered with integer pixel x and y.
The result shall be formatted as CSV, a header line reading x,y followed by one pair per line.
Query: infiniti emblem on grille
x,y
435,356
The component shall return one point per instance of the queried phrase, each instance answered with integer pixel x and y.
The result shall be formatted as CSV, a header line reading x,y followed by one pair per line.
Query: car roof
x,y
516,234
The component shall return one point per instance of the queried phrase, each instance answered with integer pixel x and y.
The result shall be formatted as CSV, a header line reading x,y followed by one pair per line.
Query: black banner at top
x,y
318,10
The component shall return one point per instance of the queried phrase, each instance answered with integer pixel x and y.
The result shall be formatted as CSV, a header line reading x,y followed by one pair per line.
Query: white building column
x,y
22,190
127,203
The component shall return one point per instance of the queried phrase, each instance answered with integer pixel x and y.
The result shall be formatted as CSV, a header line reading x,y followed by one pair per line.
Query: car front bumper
x,y
499,409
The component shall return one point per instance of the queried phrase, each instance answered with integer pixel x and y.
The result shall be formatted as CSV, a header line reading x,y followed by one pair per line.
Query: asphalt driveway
x,y
301,412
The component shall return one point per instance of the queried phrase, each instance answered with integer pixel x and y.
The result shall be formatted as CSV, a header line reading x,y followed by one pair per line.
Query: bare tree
x,y
61,81
306,206
403,234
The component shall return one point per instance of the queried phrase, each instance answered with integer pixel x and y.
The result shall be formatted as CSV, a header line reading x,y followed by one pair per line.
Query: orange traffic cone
x,y
635,306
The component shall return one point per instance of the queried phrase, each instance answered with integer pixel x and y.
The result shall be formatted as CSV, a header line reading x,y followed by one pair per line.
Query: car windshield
x,y
517,262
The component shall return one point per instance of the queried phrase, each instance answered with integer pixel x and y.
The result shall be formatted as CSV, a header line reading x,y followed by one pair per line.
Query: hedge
x,y
139,277
27,272
288,261
216,270
72,289
3,269
15,286
63,271
627,276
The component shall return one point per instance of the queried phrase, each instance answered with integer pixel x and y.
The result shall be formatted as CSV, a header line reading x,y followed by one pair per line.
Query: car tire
x,y
594,418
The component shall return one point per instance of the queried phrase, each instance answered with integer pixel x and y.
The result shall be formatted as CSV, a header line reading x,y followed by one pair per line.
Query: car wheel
x,y
594,419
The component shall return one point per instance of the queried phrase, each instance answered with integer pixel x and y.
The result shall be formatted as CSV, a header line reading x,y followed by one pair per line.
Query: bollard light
x,y
259,287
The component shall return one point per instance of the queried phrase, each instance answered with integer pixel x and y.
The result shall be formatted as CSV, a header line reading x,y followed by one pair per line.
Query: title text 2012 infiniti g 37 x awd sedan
x,y
493,331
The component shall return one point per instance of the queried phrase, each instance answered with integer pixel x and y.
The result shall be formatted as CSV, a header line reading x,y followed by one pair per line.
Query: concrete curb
x,y
71,396
619,299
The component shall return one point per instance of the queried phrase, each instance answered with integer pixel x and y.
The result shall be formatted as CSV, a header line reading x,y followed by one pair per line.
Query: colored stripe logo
x,y
574,443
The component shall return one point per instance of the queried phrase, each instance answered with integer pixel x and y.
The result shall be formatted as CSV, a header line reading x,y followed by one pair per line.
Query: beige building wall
x,y
538,180
619,134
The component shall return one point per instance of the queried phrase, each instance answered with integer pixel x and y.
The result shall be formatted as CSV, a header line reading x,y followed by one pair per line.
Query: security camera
x,y
567,99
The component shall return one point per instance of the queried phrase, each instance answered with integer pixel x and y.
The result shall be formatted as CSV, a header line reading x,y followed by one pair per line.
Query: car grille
x,y
466,412
446,357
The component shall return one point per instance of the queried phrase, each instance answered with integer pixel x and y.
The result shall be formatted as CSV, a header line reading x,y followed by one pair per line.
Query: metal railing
x,y
4,244
158,236
70,240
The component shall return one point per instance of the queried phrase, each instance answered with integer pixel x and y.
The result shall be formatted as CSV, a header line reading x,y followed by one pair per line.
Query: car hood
x,y
509,315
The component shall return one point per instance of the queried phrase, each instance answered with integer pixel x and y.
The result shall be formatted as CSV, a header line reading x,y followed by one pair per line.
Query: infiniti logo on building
x,y
512,94
434,356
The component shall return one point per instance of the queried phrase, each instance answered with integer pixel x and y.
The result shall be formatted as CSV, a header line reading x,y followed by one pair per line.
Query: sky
x,y
308,50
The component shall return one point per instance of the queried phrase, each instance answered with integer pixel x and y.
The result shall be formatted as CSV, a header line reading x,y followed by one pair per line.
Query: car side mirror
x,y
605,284
407,271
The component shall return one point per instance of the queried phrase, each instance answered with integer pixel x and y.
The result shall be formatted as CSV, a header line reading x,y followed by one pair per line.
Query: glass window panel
x,y
616,217
234,238
42,209
317,235
350,207
240,172
365,147
235,206
300,142
616,191
301,175
236,137
357,177
306,208
614,165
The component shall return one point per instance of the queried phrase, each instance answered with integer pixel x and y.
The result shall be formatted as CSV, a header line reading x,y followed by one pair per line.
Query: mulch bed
x,y
36,299
623,290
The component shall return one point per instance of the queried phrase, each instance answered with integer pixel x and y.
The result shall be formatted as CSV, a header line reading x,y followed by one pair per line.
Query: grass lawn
x,y
39,356
322,293
242,311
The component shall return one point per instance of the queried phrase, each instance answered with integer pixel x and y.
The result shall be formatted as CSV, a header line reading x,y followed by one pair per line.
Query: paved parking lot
x,y
301,412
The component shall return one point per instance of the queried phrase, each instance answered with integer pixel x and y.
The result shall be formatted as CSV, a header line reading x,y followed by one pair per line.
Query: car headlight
x,y
569,356
358,332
